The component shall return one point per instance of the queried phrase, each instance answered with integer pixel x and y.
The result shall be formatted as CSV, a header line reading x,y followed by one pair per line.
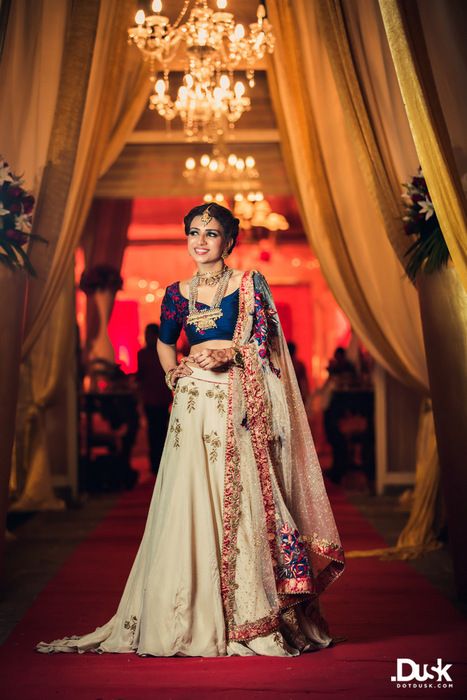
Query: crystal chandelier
x,y
223,169
253,211
214,47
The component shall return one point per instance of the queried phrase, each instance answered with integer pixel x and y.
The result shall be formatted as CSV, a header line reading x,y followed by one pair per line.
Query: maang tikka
x,y
206,216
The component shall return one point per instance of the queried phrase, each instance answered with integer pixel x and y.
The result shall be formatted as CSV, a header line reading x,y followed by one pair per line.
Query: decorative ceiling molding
x,y
168,136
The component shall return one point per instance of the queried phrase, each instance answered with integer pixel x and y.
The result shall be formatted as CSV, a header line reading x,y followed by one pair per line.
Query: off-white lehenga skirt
x,y
172,604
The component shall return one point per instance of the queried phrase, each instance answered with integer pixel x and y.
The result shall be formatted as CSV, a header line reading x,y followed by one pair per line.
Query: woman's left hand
x,y
212,359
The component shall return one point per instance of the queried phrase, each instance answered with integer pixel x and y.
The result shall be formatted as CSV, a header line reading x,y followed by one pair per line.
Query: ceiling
x,y
151,164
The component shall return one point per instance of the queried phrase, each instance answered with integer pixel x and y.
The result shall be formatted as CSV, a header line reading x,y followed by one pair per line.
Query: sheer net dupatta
x,y
280,547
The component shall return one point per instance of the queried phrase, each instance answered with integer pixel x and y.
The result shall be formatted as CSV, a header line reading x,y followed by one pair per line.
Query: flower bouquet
x,y
101,278
16,206
100,283
429,250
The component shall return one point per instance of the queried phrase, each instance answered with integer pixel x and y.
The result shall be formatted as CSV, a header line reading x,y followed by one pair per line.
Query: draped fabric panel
x,y
345,227
406,40
444,25
29,79
428,49
100,122
132,99
361,63
104,240
381,93
109,114
367,152
44,375
380,178
40,383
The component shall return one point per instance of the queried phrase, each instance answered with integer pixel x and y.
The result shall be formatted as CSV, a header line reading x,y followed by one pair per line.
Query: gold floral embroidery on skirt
x,y
176,429
214,442
192,390
219,395
131,625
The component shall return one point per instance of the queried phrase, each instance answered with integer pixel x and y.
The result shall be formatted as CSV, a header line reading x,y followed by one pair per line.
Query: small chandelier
x,y
204,111
227,169
253,210
215,46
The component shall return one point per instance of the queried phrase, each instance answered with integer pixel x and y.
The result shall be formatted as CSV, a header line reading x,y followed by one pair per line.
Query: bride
x,y
240,539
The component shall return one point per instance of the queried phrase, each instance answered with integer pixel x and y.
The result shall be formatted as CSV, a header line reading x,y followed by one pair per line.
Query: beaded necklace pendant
x,y
207,318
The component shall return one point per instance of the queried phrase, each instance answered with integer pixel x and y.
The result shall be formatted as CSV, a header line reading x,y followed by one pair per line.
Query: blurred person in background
x,y
155,395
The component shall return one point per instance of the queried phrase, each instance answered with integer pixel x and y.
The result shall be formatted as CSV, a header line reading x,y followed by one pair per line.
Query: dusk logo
x,y
412,675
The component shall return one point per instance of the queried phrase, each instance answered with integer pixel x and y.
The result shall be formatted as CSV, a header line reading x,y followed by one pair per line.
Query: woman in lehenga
x,y
240,539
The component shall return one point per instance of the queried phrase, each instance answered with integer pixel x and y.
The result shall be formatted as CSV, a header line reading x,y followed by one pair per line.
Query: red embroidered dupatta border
x,y
289,591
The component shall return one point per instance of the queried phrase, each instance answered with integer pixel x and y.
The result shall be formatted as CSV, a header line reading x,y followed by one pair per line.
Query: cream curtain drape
x,y
377,171
361,169
361,25
444,27
411,60
31,481
44,374
427,43
29,79
114,99
378,83
345,227
114,96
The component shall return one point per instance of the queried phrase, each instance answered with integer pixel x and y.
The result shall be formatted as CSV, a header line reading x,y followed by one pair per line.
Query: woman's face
x,y
206,242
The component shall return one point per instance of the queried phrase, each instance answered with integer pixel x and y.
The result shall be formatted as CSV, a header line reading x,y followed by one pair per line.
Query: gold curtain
x,y
112,100
29,78
374,149
379,174
109,116
426,519
345,228
377,81
427,42
443,25
405,37
335,96
43,375
40,383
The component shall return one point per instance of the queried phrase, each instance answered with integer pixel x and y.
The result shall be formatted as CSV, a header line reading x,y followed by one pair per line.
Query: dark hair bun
x,y
230,224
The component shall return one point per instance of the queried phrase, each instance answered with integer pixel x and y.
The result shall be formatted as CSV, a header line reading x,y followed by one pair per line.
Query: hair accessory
x,y
206,216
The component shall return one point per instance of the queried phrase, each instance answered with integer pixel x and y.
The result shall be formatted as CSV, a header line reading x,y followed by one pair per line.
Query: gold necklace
x,y
210,278
207,318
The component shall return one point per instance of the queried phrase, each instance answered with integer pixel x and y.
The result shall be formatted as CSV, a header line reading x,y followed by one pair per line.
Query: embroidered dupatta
x,y
280,542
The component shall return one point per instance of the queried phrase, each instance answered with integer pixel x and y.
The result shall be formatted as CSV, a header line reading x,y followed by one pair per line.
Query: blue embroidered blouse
x,y
174,312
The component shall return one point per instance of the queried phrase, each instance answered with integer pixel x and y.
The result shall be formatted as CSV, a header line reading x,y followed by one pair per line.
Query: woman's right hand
x,y
181,370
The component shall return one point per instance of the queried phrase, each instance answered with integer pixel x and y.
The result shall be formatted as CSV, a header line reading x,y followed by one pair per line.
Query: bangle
x,y
168,378
237,358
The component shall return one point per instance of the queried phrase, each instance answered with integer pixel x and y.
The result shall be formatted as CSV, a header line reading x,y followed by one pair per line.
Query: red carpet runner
x,y
385,609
